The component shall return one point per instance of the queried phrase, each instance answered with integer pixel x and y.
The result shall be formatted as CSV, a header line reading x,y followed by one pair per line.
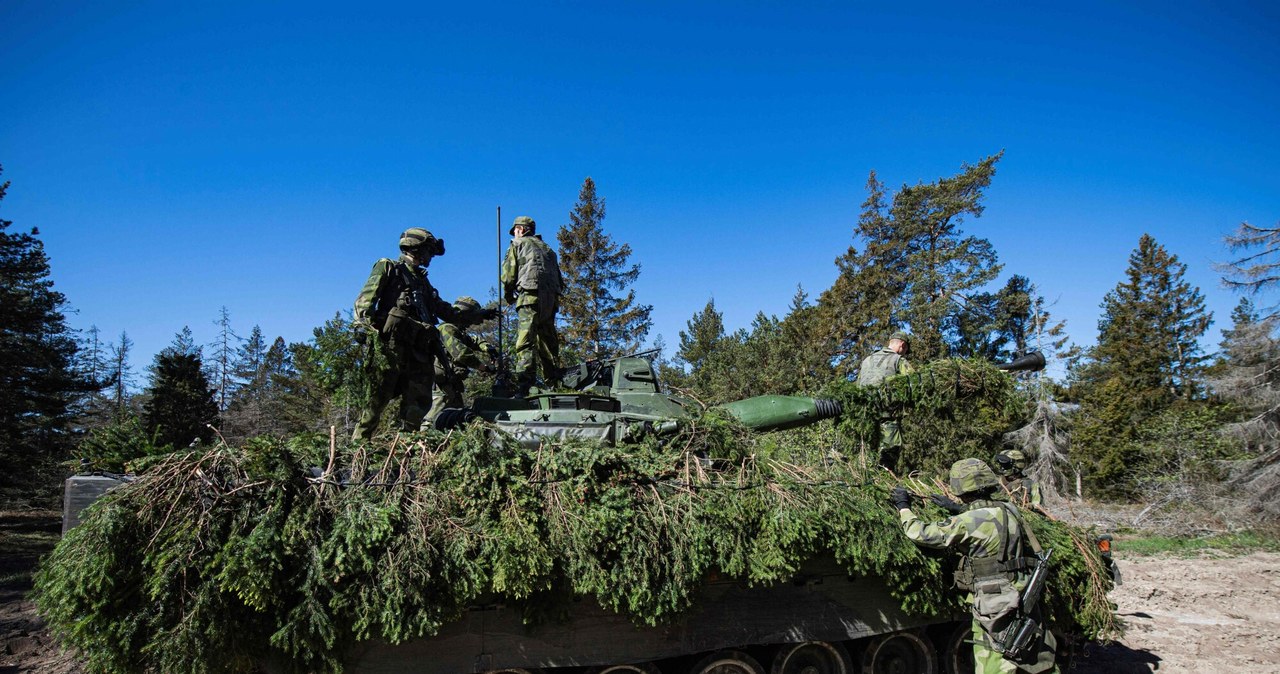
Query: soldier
x,y
399,308
886,362
465,354
531,281
1023,490
993,570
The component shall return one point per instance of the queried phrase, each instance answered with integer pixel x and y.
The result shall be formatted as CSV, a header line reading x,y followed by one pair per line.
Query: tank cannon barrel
x,y
1031,362
775,412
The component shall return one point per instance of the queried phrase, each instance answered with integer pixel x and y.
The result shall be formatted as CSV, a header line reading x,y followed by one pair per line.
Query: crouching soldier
x,y
1011,464
464,353
994,570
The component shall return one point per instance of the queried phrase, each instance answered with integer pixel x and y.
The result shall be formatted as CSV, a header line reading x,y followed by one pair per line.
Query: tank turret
x,y
620,400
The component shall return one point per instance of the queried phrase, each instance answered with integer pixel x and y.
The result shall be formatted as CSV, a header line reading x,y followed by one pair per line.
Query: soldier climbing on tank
x,y
1024,491
888,361
531,280
465,354
1002,582
395,315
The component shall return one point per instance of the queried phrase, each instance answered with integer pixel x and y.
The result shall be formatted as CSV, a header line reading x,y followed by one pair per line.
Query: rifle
x,y
1022,635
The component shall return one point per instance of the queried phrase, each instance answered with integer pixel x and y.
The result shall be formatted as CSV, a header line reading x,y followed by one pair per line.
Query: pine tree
x,y
916,264
180,407
599,314
40,387
328,372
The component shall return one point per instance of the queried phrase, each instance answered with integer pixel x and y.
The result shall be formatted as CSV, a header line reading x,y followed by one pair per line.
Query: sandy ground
x,y
1205,614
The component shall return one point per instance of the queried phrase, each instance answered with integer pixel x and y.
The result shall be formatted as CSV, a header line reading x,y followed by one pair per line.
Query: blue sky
x,y
180,157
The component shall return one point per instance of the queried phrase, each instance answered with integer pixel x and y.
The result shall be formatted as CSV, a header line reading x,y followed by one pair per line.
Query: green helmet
x,y
900,335
970,476
416,237
1010,461
467,305
523,221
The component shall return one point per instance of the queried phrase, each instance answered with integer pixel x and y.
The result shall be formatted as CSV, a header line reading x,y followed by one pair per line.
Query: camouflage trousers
x,y
988,660
890,443
396,368
536,344
446,393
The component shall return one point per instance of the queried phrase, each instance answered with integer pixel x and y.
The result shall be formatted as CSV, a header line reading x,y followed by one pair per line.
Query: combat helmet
x,y
416,238
971,476
467,305
901,336
1010,461
523,221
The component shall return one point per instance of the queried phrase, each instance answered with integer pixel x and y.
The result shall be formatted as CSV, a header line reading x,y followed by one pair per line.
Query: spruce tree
x,y
1146,359
222,359
599,314
1259,269
40,387
180,408
122,378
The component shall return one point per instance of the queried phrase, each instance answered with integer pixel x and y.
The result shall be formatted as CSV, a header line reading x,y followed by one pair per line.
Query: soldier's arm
x,y
904,367
462,348
508,276
948,533
369,293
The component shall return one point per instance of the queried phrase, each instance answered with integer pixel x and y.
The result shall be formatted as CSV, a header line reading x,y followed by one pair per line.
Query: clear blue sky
x,y
178,157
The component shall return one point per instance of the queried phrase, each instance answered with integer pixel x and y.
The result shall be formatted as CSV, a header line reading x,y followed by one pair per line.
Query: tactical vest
x,y
1009,562
877,367
397,295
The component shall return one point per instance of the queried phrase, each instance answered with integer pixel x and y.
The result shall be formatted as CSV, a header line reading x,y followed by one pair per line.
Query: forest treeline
x,y
1144,414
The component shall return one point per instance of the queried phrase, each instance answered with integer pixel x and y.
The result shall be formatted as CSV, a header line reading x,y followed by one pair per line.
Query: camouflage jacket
x,y
464,351
988,537
390,287
531,272
881,365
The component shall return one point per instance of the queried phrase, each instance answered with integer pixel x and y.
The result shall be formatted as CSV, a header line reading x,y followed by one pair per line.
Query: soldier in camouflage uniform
x,y
396,313
465,354
993,568
1023,490
888,361
531,281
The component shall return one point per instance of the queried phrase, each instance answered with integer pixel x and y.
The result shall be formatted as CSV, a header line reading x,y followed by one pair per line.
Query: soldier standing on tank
x,y
465,354
1023,490
888,361
993,570
531,280
396,313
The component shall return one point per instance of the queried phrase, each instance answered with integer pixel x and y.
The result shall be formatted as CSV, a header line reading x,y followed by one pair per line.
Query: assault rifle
x,y
1023,634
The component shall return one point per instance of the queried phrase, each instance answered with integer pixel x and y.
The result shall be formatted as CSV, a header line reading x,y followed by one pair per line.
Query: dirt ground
x,y
1210,613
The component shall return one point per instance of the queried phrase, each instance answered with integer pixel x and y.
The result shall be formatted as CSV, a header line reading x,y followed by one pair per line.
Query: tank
x,y
619,400
823,621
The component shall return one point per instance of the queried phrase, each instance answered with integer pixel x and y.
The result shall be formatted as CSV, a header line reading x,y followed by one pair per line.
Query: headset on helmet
x,y
417,238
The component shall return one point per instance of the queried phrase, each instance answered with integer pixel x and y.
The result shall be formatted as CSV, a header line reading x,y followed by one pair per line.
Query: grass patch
x,y
1241,543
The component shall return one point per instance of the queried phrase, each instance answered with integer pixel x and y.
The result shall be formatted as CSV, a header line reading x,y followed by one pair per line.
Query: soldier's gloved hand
x,y
510,296
489,314
946,504
900,498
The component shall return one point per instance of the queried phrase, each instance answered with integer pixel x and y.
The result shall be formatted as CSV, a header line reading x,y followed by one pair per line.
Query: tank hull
x,y
820,604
